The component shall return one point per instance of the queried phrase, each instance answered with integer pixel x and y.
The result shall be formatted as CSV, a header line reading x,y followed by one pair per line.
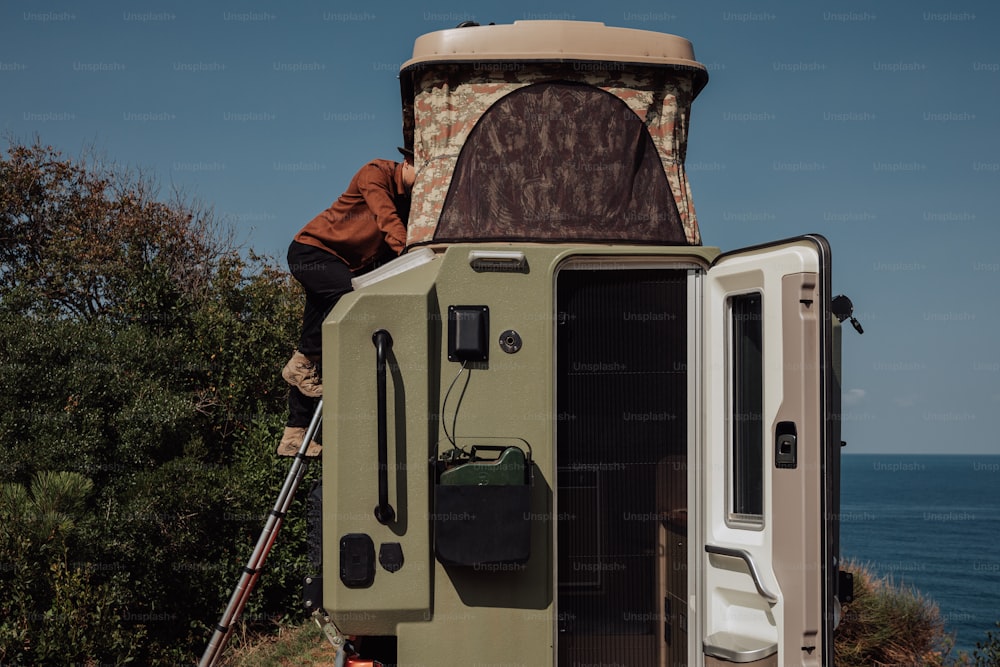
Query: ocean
x,y
933,523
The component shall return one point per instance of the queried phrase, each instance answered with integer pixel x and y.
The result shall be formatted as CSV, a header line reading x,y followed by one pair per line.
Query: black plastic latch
x,y
845,587
357,560
390,556
786,453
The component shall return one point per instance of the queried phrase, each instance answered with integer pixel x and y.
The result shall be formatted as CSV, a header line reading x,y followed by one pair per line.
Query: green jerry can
x,y
482,510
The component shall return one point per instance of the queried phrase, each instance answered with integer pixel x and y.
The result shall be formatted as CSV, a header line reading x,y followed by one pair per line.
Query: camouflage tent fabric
x,y
567,158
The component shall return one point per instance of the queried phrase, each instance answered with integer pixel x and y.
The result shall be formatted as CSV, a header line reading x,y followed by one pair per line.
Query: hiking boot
x,y
303,373
291,440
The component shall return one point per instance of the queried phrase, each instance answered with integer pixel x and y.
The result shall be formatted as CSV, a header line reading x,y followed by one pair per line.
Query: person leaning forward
x,y
365,227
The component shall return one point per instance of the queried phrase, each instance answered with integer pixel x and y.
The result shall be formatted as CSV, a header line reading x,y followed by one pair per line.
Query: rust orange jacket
x,y
368,221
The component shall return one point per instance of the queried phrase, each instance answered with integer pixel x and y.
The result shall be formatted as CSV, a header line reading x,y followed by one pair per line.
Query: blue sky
x,y
875,124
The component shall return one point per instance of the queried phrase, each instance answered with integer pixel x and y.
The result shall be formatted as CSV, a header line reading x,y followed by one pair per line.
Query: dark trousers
x,y
325,278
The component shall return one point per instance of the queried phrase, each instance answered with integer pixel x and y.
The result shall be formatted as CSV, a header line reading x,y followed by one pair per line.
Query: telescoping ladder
x,y
251,573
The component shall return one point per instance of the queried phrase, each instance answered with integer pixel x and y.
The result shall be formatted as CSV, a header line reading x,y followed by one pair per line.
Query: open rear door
x,y
768,538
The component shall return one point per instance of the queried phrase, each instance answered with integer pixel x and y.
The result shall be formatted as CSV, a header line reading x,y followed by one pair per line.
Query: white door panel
x,y
762,578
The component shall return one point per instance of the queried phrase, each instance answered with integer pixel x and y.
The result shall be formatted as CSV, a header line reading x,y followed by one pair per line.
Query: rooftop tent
x,y
550,131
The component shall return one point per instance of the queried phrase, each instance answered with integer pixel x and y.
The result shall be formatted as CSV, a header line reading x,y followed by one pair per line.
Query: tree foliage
x,y
83,238
140,407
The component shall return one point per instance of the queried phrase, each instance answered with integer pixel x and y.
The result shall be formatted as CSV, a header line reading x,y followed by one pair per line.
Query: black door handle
x,y
384,513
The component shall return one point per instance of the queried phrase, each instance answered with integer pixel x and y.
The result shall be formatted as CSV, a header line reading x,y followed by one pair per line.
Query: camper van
x,y
560,430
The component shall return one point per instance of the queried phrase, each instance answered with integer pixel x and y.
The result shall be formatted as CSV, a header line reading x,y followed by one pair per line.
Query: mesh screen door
x,y
622,406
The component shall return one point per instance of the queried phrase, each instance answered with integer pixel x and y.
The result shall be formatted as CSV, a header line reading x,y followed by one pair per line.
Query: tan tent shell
x,y
561,160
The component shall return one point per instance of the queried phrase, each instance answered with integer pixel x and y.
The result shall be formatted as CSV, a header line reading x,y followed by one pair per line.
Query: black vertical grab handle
x,y
384,513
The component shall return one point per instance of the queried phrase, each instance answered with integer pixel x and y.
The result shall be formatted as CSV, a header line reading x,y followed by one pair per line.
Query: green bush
x,y
987,652
54,609
141,354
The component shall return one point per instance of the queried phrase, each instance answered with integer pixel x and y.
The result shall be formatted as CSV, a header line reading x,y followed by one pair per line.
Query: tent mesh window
x,y
560,161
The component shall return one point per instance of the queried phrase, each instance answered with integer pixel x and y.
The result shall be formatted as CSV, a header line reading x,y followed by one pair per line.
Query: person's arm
x,y
377,189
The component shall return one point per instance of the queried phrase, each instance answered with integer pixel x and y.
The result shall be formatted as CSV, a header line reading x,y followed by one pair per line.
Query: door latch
x,y
786,454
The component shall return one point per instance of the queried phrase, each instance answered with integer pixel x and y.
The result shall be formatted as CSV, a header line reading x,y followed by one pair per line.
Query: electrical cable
x,y
444,423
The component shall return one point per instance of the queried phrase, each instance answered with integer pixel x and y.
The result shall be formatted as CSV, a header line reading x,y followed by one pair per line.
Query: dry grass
x,y
292,646
889,625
